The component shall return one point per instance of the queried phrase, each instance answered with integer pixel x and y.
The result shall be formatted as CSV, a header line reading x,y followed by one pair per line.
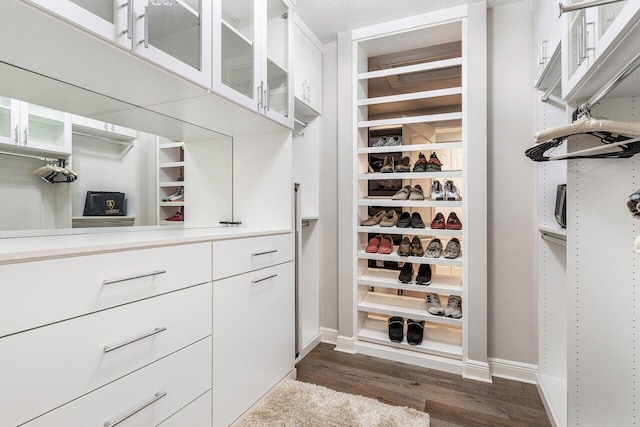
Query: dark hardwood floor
x,y
450,400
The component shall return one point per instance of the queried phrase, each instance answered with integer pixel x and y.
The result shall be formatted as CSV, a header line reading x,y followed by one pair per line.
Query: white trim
x,y
309,346
477,370
557,419
307,32
345,344
292,375
328,335
511,370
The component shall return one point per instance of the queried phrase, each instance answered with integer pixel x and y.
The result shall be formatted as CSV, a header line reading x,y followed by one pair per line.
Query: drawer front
x,y
253,349
38,293
231,257
47,367
183,376
197,414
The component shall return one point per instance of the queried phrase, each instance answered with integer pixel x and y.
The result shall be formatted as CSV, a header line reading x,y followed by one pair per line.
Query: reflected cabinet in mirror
x,y
64,171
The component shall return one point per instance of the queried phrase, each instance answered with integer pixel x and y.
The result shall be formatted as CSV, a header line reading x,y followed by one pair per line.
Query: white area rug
x,y
298,404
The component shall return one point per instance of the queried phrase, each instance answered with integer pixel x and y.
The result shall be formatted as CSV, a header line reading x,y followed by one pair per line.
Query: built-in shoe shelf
x,y
394,257
408,307
170,179
410,148
410,175
369,201
388,279
409,231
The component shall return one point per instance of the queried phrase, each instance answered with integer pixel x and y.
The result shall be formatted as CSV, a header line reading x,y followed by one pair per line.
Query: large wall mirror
x,y
75,161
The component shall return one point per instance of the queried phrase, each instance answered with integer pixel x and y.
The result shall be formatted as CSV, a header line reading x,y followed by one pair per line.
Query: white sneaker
x,y
454,307
434,306
437,193
451,191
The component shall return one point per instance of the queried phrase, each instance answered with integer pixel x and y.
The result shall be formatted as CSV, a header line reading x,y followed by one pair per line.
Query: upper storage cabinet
x,y
175,34
252,55
308,66
593,35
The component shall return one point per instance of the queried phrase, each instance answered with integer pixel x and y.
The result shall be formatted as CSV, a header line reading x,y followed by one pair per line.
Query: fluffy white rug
x,y
298,404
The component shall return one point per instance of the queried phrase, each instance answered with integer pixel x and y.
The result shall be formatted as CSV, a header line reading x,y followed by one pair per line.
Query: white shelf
x,y
393,257
164,222
410,175
171,204
438,340
429,118
425,66
171,145
389,279
236,32
410,203
171,165
409,231
558,231
413,147
411,96
412,308
172,184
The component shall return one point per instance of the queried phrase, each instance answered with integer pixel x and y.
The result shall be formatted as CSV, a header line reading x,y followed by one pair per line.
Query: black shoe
x,y
424,275
406,273
396,328
404,221
416,221
415,331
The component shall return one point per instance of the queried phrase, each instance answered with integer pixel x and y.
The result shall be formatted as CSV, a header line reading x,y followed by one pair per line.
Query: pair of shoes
x,y
454,306
452,223
448,192
388,141
374,220
379,244
451,251
423,277
413,220
411,247
415,330
179,216
407,192
177,196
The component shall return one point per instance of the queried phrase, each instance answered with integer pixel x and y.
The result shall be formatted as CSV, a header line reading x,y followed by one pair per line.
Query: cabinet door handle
x,y
253,282
260,95
156,331
586,38
309,93
130,19
137,276
267,97
116,421
26,135
16,135
264,253
145,16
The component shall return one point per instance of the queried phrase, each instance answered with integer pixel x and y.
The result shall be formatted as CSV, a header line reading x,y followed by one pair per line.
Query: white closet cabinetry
x,y
253,58
308,69
176,36
547,32
31,127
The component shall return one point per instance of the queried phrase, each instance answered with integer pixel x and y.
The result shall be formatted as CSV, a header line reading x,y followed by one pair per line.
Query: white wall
x,y
512,225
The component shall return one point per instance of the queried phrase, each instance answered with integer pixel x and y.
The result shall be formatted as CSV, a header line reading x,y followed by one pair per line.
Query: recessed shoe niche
x,y
414,284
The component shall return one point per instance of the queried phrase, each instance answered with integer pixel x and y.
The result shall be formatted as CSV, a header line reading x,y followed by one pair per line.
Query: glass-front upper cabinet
x,y
9,121
278,96
176,34
110,19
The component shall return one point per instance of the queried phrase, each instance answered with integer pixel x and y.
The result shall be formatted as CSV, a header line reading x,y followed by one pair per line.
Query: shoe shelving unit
x,y
418,93
170,162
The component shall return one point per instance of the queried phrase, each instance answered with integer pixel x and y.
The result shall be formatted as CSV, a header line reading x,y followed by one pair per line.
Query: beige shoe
x,y
390,219
402,194
373,220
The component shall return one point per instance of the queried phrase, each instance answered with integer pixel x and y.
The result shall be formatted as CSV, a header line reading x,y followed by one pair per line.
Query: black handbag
x,y
104,203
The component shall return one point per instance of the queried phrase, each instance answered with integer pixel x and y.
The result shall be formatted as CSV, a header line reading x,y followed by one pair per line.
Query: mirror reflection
x,y
64,172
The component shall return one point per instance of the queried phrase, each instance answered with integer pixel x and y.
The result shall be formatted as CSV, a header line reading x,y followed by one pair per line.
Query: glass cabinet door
x,y
578,38
237,50
278,33
177,35
45,129
8,122
607,14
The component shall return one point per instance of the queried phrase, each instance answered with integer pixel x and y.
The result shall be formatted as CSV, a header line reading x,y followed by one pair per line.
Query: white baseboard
x,y
329,336
345,344
309,346
477,370
510,370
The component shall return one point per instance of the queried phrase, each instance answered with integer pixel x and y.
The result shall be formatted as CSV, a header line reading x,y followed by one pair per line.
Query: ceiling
x,y
327,18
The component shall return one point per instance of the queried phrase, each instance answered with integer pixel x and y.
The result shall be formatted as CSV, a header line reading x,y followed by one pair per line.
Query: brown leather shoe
x,y
390,219
405,247
416,247
387,167
373,220
404,165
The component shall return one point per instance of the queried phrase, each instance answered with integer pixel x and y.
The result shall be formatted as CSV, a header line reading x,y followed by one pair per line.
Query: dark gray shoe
x,y
404,221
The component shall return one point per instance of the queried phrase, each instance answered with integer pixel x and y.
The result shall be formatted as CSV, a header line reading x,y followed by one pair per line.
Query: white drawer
x,y
253,327
197,414
183,376
47,367
38,293
231,257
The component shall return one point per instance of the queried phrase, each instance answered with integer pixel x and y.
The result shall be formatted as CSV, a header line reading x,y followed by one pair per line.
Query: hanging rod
x,y
300,122
553,239
551,88
626,71
579,6
104,138
30,156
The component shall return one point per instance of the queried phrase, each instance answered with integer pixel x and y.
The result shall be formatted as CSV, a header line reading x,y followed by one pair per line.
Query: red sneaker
x,y
177,217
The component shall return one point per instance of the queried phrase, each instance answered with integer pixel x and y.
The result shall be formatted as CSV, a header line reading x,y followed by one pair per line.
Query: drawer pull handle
x,y
264,253
253,282
138,276
156,331
135,410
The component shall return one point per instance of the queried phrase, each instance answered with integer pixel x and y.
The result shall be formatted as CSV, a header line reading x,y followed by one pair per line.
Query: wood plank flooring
x,y
450,400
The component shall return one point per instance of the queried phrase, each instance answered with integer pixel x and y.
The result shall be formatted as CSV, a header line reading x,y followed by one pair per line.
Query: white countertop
x,y
32,248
